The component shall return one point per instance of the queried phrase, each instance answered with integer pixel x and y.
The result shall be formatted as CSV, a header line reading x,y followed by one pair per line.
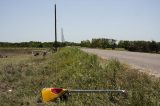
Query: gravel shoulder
x,y
146,62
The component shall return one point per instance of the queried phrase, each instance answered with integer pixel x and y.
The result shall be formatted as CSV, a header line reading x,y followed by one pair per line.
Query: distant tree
x,y
140,46
99,43
158,47
124,44
85,43
153,46
114,46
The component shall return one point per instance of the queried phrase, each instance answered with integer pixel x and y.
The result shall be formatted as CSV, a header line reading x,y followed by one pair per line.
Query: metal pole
x,y
95,91
55,29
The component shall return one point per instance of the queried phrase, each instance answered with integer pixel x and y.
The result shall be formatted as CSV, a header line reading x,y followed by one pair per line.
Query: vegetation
x,y
140,46
99,43
74,69
33,44
136,46
103,43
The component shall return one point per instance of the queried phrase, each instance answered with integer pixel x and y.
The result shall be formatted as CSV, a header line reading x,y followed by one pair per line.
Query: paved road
x,y
142,61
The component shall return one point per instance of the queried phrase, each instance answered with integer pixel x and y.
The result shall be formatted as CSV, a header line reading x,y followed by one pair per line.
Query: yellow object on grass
x,y
50,94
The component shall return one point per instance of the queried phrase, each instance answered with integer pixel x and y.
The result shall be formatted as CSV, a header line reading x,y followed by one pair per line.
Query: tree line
x,y
37,44
140,46
137,46
99,43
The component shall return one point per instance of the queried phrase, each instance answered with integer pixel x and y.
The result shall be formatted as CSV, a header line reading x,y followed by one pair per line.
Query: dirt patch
x,y
4,87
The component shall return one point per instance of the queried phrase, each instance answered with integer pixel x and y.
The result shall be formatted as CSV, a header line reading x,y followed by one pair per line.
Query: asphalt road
x,y
143,61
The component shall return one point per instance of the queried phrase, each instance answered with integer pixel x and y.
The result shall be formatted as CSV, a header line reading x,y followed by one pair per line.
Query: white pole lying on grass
x,y
96,91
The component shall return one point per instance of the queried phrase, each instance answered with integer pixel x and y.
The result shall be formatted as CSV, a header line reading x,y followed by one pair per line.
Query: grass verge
x,y
73,69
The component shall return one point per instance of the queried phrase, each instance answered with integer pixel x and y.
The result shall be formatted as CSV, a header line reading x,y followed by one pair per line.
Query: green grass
x,y
73,69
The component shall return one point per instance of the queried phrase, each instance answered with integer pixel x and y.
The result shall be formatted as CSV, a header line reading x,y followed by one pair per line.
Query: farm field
x,y
19,51
22,76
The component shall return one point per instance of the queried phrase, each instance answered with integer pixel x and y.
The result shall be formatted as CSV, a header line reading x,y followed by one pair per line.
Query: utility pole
x,y
62,36
55,29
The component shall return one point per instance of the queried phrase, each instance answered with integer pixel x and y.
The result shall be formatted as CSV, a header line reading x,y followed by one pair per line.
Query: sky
x,y
33,20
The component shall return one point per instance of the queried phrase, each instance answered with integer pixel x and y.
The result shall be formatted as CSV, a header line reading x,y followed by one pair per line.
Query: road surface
x,y
143,61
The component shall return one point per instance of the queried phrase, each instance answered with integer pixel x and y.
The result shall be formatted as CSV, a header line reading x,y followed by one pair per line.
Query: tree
x,y
153,46
85,43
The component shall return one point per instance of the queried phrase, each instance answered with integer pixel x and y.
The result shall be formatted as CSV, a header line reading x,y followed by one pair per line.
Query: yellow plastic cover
x,y
49,94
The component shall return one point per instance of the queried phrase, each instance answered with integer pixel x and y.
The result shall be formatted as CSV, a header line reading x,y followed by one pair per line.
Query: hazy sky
x,y
33,20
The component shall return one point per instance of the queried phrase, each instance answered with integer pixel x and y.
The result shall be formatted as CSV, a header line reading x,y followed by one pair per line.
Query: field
x,y
23,76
